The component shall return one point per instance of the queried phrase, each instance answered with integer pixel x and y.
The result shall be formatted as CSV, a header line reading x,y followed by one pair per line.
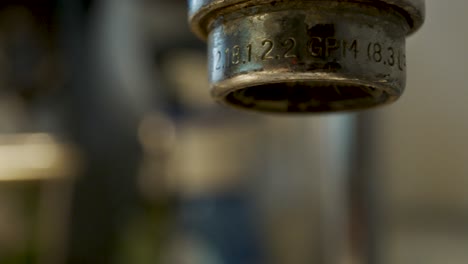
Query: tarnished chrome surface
x,y
306,56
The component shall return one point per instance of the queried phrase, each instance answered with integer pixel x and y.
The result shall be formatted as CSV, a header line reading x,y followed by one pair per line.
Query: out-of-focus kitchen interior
x,y
112,151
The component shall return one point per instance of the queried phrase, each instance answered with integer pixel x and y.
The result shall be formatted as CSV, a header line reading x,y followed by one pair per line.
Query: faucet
x,y
302,56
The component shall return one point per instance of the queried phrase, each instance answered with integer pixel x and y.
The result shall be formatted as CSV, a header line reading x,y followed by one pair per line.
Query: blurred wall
x,y
423,144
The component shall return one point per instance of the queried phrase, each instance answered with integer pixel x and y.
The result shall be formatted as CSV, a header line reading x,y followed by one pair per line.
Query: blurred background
x,y
111,150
